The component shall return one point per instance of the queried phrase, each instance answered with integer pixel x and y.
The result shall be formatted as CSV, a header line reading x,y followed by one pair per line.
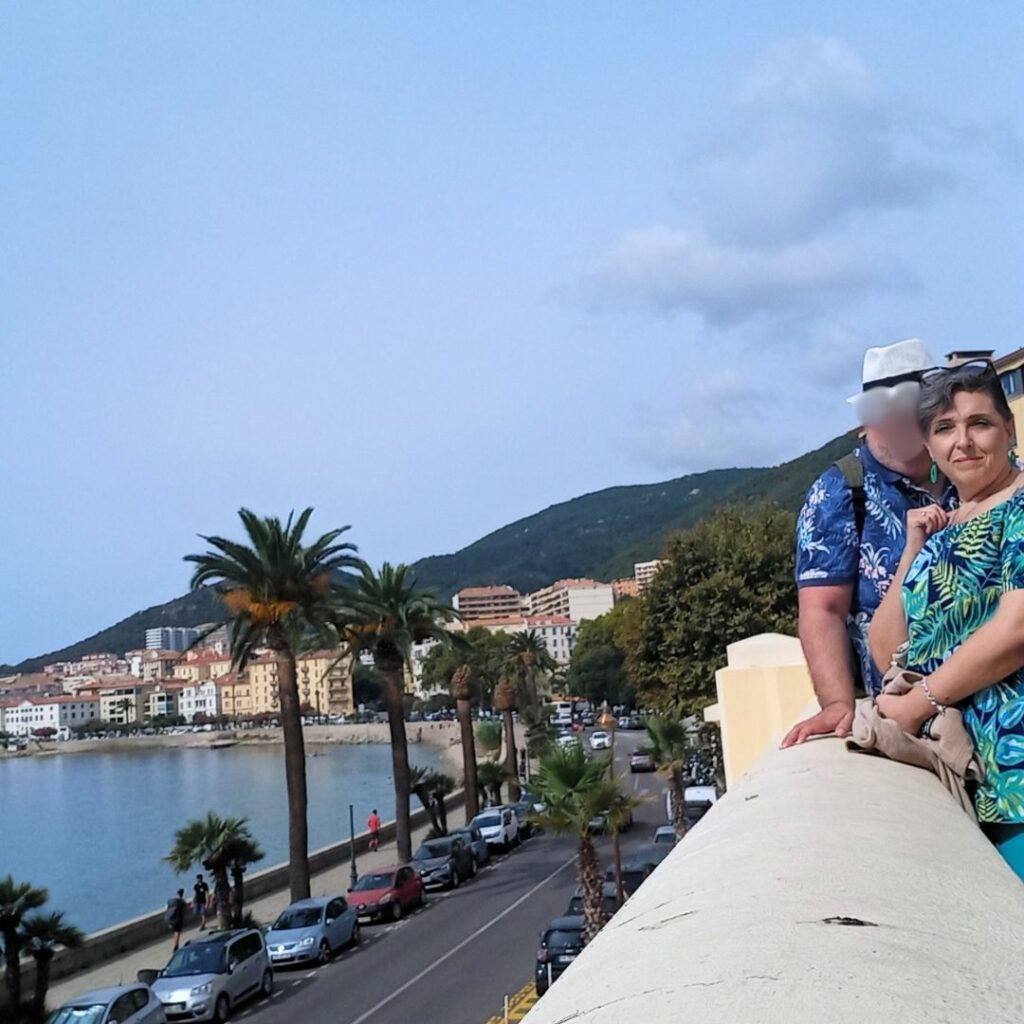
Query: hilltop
x,y
599,535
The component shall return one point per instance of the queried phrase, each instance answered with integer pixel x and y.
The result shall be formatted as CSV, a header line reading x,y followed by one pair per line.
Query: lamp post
x,y
353,873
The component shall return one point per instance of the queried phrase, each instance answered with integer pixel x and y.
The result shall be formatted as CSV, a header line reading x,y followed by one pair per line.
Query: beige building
x,y
323,678
474,603
576,599
164,699
235,695
150,666
625,588
124,702
198,665
557,631
1011,373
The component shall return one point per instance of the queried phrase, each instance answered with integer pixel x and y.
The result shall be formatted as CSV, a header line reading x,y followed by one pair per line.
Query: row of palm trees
x,y
26,929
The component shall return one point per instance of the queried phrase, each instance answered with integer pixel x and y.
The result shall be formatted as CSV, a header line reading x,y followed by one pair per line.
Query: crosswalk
x,y
519,1005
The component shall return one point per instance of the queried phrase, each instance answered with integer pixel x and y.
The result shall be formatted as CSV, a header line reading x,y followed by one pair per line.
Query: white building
x,y
198,698
57,713
644,572
576,599
170,638
557,631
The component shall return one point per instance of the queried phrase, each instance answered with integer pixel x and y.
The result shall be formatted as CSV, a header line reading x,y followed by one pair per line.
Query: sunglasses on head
x,y
971,370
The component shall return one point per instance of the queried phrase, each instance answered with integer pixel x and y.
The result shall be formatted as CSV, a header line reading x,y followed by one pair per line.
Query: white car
x,y
600,740
126,1004
499,826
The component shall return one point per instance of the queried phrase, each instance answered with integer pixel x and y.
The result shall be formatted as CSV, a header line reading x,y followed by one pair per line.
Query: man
x,y
850,534
175,916
200,898
373,824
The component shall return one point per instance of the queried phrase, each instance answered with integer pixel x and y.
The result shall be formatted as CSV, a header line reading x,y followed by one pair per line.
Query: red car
x,y
385,894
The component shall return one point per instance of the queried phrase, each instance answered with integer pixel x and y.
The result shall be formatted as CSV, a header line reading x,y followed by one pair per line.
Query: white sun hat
x,y
891,380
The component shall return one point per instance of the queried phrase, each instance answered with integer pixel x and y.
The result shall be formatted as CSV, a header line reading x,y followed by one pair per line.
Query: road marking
x,y
462,945
276,993
519,1005
311,974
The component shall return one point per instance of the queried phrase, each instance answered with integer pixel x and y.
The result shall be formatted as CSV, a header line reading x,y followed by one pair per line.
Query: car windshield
x,y
86,1013
665,837
487,820
430,850
206,958
561,939
297,917
380,881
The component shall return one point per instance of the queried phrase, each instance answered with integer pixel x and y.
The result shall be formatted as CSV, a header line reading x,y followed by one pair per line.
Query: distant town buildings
x,y
170,638
644,572
576,599
474,603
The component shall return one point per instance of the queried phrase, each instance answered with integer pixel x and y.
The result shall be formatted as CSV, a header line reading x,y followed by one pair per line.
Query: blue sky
x,y
430,268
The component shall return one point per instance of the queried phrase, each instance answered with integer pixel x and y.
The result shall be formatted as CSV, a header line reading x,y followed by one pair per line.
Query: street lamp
x,y
353,874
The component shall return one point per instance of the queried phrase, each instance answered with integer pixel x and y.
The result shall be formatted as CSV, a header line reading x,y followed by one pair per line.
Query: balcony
x,y
826,886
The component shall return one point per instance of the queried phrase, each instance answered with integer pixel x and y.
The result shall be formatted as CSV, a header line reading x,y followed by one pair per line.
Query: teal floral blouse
x,y
953,588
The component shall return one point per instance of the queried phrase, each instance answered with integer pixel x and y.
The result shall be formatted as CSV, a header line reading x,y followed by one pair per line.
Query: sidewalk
x,y
335,881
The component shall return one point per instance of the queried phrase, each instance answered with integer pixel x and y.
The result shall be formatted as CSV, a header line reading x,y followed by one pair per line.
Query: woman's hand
x,y
922,523
908,710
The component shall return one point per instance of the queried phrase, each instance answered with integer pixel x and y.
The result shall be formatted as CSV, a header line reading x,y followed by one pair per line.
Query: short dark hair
x,y
937,395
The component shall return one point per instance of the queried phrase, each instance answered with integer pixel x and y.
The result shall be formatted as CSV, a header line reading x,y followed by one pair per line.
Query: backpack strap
x,y
853,472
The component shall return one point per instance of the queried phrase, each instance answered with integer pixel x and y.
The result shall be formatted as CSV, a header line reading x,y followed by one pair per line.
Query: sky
x,y
430,268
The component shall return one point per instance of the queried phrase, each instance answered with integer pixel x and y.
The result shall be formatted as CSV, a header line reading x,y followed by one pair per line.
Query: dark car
x,y
523,809
599,823
386,893
611,900
560,943
653,855
444,862
632,877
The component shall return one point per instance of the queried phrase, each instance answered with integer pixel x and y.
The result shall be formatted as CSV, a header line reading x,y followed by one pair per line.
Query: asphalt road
x,y
455,960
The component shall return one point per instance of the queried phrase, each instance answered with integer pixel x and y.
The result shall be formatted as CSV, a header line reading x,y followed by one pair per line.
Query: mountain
x,y
599,534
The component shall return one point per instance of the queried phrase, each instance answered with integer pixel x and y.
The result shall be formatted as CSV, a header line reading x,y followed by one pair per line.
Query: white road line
x,y
276,993
465,942
311,974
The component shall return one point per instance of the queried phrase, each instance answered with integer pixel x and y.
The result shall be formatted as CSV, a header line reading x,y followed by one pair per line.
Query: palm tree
x,y
491,775
527,660
576,789
42,934
506,700
223,846
419,784
669,747
385,615
461,687
279,593
241,852
441,786
17,899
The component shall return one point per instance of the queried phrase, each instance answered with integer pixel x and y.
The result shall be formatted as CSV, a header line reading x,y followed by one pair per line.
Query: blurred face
x,y
971,442
900,435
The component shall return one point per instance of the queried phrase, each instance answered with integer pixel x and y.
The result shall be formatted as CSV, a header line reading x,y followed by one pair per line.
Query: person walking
x,y
851,533
175,916
373,824
200,900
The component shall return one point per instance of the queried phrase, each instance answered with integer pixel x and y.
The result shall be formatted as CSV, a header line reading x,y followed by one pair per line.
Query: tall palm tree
x,y
576,789
668,745
420,780
241,852
441,786
385,615
42,934
461,687
527,661
222,846
506,701
279,593
491,775
17,899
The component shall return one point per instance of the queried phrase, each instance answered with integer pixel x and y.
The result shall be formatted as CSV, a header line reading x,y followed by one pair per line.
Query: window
x,y
141,997
122,1009
1012,381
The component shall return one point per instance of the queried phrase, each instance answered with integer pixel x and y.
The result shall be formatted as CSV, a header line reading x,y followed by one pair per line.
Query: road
x,y
455,960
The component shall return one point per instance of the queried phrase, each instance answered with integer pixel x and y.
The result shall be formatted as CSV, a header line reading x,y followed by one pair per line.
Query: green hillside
x,y
600,534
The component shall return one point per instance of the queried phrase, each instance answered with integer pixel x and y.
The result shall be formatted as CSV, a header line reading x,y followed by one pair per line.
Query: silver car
x,y
125,1004
312,930
209,976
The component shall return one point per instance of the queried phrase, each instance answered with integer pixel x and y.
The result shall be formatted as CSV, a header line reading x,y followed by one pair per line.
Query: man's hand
x,y
835,718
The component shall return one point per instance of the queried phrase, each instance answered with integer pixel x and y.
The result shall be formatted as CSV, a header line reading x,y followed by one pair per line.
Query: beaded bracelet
x,y
940,708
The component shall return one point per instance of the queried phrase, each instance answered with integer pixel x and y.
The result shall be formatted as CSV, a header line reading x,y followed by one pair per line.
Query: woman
x,y
957,599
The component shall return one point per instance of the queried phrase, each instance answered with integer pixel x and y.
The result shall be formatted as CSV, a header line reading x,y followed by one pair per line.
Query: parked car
x,y
600,740
599,823
474,839
499,826
652,855
124,1004
633,876
312,929
444,862
522,809
211,974
698,800
611,900
641,761
387,893
560,943
665,835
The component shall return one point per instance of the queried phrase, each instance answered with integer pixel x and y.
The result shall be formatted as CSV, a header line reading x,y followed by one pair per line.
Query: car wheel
x,y
267,984
456,879
472,868
324,954
396,911
356,935
221,1009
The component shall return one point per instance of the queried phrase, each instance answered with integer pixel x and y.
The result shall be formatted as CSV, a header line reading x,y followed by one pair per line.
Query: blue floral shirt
x,y
829,553
953,588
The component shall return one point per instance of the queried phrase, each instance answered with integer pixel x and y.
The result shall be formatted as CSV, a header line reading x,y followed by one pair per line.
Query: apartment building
x,y
474,603
171,638
644,572
575,599
124,702
557,631
625,588
197,665
163,700
235,695
23,718
151,665
198,697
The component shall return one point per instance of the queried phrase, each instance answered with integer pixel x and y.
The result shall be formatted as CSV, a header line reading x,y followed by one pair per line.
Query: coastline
x,y
442,736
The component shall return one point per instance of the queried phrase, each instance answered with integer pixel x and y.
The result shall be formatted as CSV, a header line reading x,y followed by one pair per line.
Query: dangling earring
x,y
1011,457
933,473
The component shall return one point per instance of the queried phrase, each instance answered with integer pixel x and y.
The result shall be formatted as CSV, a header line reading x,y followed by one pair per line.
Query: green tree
x,y
491,775
385,615
41,935
488,736
576,789
482,651
527,662
17,900
668,745
279,593
224,847
597,671
727,579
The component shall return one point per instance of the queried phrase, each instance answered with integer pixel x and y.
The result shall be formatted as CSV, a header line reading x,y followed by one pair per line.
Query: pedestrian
x,y
373,824
850,534
200,900
174,915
